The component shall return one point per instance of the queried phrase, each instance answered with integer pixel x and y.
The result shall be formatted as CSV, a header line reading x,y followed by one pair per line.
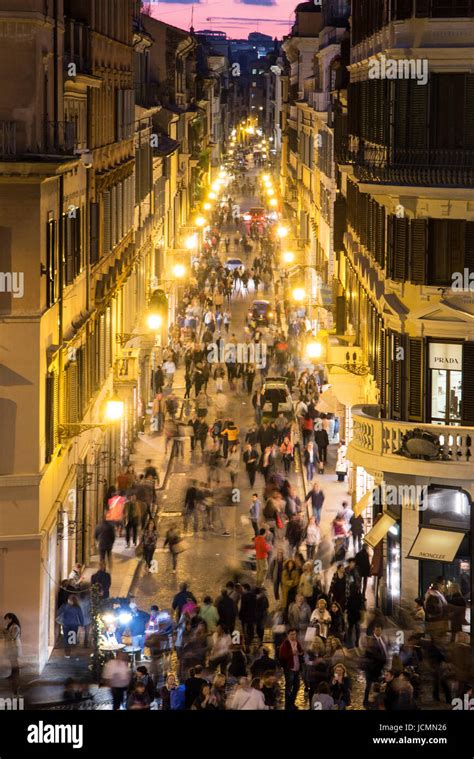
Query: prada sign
x,y
446,356
436,545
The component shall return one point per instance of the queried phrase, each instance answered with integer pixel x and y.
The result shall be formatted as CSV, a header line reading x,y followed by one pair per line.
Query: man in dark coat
x,y
248,614
227,611
363,565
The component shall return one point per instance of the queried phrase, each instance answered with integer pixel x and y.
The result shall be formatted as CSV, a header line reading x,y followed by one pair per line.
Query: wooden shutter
x,y
469,112
68,247
341,315
106,239
418,250
94,233
108,339
468,384
120,224
49,418
113,216
396,376
400,89
365,109
418,115
101,341
55,414
71,384
339,222
469,246
398,248
380,236
119,115
415,375
81,383
78,242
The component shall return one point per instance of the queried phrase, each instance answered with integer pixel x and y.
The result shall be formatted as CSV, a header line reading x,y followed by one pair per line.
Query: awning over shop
x,y
379,530
436,545
364,502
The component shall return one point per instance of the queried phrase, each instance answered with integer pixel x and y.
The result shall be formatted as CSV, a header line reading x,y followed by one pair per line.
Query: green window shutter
x,y
418,250
415,375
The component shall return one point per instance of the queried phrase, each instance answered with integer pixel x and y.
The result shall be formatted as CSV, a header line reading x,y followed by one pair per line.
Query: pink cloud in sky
x,y
236,18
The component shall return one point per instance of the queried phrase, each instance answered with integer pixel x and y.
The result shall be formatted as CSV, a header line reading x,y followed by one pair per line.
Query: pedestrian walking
x,y
175,544
251,462
262,551
104,534
315,500
149,540
254,513
70,617
291,657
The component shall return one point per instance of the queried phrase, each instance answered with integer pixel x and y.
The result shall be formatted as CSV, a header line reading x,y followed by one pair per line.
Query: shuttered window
x,y
398,248
81,383
468,384
102,356
49,418
415,374
418,250
380,236
72,410
113,216
396,376
120,224
56,403
106,238
51,263
447,111
68,248
94,233
446,245
339,222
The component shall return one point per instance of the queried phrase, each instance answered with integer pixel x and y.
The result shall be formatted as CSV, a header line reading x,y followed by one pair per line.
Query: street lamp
x,y
299,294
314,350
179,271
282,231
154,321
207,206
273,202
288,257
112,411
212,195
191,242
200,222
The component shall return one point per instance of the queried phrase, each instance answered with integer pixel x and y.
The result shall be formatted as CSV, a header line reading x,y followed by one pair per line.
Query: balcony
x,y
58,138
76,46
437,451
421,167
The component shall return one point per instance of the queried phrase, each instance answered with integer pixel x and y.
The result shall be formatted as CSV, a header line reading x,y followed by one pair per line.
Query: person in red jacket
x,y
262,550
291,657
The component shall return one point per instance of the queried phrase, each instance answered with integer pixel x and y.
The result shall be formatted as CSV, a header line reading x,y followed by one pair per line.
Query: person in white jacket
x,y
247,698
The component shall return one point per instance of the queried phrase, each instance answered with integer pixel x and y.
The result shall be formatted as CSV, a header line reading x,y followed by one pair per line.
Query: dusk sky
x,y
236,17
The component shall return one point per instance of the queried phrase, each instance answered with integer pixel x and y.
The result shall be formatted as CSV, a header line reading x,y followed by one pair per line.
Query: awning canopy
x,y
379,530
364,502
436,545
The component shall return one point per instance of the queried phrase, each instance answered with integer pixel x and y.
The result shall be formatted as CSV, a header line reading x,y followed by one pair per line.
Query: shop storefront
x,y
443,545
445,382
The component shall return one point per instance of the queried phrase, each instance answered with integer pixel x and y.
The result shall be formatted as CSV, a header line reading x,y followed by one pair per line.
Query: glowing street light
x,y
282,231
273,202
288,257
114,409
200,222
154,321
191,242
270,191
299,294
314,350
212,195
179,271
207,206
